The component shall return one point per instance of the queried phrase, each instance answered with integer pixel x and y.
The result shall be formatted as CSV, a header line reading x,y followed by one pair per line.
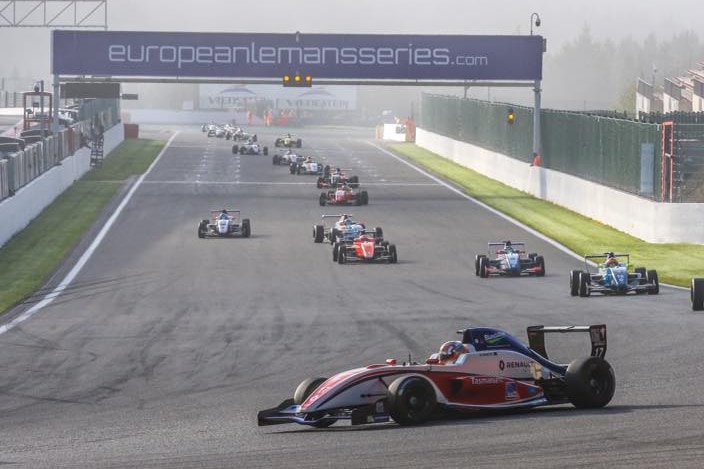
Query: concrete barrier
x,y
17,211
650,221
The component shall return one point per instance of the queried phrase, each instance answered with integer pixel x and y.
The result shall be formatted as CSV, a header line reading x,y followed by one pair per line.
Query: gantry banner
x,y
329,56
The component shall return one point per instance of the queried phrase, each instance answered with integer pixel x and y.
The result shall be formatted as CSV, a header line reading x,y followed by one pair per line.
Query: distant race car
x,y
488,369
508,259
223,223
344,195
288,141
306,165
364,248
697,294
613,278
250,148
216,131
335,178
241,135
285,158
342,228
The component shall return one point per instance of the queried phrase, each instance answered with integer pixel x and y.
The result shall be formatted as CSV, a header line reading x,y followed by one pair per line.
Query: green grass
x,y
31,256
676,263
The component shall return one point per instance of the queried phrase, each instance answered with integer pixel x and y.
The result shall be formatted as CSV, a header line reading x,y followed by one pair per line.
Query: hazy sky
x,y
562,20
24,52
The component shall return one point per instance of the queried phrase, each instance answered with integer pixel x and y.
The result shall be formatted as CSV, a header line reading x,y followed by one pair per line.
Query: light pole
x,y
39,88
535,22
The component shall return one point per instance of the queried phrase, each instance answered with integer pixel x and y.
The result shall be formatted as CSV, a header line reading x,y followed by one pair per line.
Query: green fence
x,y
605,150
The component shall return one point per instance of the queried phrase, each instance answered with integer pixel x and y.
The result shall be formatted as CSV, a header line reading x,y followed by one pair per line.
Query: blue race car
x,y
612,277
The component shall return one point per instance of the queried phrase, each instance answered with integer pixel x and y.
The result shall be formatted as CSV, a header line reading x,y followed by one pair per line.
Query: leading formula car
x,y
224,223
612,277
491,370
508,259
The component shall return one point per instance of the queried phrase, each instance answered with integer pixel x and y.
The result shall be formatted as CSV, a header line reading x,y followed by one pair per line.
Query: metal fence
x,y
20,168
619,153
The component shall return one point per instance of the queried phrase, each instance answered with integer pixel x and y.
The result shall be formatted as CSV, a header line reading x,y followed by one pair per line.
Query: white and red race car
x,y
495,371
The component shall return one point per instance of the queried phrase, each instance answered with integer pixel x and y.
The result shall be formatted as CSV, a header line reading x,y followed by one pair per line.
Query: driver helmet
x,y
611,259
309,158
451,350
224,212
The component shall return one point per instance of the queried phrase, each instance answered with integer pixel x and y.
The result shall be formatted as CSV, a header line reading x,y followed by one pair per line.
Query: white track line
x,y
86,255
481,204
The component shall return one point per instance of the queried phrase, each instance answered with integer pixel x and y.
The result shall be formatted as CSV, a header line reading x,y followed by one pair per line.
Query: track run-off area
x,y
164,346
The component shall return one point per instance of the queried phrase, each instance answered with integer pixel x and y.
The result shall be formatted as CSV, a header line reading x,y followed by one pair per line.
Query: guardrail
x,y
20,168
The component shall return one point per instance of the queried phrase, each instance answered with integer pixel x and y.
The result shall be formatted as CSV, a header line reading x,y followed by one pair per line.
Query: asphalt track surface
x,y
165,346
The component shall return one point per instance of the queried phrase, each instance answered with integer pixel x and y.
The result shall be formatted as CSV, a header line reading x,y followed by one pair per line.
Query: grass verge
x,y
32,255
676,263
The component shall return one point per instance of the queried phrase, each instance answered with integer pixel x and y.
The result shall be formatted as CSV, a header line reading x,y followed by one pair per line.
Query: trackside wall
x,y
17,211
650,221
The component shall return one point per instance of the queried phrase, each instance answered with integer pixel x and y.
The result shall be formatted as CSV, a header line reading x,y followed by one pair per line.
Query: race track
x,y
164,348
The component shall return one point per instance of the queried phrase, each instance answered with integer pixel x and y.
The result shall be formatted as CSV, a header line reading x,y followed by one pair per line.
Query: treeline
x,y
588,73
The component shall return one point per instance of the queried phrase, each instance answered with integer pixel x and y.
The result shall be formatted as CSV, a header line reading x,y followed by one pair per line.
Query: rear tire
x,y
574,282
411,400
652,277
318,233
483,261
265,151
235,149
393,255
697,294
584,279
476,263
590,382
365,197
541,263
246,228
322,199
342,254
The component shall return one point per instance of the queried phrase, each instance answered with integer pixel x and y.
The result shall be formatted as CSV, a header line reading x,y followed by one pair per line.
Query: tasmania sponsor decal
x,y
486,380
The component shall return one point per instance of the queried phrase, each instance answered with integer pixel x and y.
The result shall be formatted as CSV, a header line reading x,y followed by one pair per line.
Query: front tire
x,y
590,382
411,400
305,389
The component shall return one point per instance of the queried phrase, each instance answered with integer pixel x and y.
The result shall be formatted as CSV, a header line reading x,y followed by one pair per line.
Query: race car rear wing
x,y
597,335
599,258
